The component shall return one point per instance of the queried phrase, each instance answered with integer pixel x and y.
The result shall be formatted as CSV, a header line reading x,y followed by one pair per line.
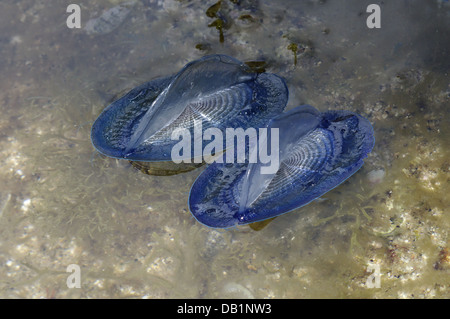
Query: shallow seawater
x,y
132,235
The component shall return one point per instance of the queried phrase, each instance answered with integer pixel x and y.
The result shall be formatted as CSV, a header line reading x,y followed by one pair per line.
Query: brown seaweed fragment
x,y
257,66
294,48
218,24
164,168
257,226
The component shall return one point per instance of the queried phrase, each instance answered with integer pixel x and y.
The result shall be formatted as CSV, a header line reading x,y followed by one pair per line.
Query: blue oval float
x,y
317,152
217,90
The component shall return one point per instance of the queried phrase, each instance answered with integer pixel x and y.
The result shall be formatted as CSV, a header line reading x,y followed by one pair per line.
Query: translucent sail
x,y
291,127
215,91
190,87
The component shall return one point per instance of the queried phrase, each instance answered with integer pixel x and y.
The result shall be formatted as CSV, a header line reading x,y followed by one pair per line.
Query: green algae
x,y
294,48
226,16
219,25
212,10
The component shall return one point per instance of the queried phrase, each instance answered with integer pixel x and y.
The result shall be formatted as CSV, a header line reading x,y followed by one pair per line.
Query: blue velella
x,y
317,152
217,90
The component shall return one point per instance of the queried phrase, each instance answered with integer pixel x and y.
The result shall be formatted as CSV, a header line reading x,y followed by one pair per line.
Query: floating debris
x,y
203,46
235,290
4,200
376,176
109,20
